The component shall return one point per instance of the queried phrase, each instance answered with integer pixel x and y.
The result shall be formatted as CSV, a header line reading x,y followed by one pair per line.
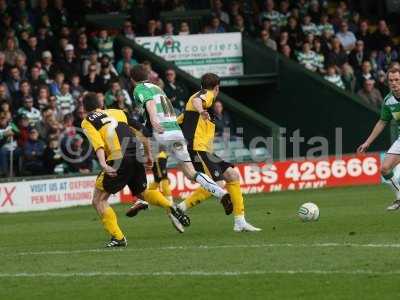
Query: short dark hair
x,y
209,81
139,73
91,102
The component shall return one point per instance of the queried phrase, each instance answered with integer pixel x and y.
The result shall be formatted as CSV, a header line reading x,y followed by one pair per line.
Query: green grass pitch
x,y
352,252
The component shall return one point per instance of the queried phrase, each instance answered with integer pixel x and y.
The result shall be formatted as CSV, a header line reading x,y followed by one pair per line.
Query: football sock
x,y
391,180
153,186
165,189
155,197
110,223
208,184
198,196
234,191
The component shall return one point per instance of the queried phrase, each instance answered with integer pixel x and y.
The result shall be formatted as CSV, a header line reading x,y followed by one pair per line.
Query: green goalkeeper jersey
x,y
391,109
146,91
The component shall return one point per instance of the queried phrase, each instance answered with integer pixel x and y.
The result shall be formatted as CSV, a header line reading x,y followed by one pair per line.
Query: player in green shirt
x,y
390,111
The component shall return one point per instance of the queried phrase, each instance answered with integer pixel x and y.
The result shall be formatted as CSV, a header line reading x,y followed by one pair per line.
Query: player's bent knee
x,y
385,169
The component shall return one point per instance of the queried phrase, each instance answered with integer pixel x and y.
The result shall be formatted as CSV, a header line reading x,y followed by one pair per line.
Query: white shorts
x,y
395,148
175,144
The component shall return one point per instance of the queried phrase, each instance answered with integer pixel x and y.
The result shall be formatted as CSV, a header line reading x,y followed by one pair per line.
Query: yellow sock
x,y
165,189
234,191
198,196
156,198
110,223
153,186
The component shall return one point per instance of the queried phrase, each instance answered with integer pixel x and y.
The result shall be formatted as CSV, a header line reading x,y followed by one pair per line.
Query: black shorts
x,y
160,169
210,164
130,172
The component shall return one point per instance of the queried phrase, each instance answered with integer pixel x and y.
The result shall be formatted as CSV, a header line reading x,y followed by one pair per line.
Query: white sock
x,y
240,219
394,185
208,184
182,206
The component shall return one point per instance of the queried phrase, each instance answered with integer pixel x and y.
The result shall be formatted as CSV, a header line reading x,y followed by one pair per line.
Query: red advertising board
x,y
290,175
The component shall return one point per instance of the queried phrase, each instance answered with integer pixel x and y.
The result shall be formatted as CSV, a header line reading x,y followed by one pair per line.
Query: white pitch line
x,y
202,247
201,273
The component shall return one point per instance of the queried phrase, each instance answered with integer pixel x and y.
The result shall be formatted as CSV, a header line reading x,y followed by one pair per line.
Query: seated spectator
x,y
32,153
36,81
65,101
283,39
381,36
169,29
333,77
91,60
48,65
128,31
20,63
7,145
370,94
153,76
126,58
364,35
346,37
266,40
308,26
325,26
184,29
92,81
69,64
152,29
5,110
23,130
381,84
42,99
68,126
32,52
106,61
78,160
217,7
32,113
106,77
215,26
287,51
176,91
55,86
125,78
386,57
271,14
373,60
307,57
336,56
11,51
366,74
4,94
295,33
3,67
105,44
13,82
52,158
48,124
357,56
116,91
319,57
83,50
223,121
76,89
239,26
23,93
348,78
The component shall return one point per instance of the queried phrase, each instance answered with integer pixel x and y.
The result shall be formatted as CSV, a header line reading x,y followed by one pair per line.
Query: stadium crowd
x,y
49,58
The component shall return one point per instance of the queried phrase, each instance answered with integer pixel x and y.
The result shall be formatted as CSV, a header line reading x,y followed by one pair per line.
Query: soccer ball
x,y
308,212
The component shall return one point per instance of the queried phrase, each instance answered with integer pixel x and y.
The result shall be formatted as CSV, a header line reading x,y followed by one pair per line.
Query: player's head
x,y
210,81
91,102
139,73
393,76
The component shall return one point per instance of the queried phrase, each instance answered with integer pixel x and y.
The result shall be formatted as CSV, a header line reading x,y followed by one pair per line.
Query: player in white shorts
x,y
390,111
160,115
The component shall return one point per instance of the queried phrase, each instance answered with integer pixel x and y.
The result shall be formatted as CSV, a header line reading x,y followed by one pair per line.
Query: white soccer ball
x,y
308,212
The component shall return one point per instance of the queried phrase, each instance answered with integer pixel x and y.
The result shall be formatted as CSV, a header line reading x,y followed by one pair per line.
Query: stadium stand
x,y
50,55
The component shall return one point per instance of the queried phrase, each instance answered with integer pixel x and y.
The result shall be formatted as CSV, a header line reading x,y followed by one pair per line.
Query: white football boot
x,y
394,206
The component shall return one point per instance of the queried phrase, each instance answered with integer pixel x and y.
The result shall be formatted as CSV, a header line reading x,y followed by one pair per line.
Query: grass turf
x,y
351,252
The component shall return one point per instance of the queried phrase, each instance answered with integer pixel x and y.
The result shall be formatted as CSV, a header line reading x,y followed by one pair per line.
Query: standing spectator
x,y
106,77
333,77
267,41
126,58
307,57
370,94
348,78
386,57
287,51
65,101
28,110
128,31
152,28
6,144
33,151
239,26
357,56
346,37
175,90
222,119
336,56
105,44
23,93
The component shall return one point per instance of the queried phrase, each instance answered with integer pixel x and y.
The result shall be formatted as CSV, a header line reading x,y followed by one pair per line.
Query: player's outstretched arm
x,y
380,125
152,112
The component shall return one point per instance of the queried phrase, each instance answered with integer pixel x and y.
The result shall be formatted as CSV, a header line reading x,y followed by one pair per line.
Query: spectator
x,y
3,69
55,87
35,81
295,33
105,44
106,77
65,101
23,93
333,77
357,56
381,36
83,50
287,51
7,145
269,13
169,29
365,74
239,26
126,58
5,109
336,56
307,57
176,91
267,41
325,26
32,52
128,31
308,26
348,78
381,84
14,81
48,64
319,57
141,14
52,158
11,51
386,57
218,11
48,124
69,64
76,89
364,35
92,81
223,121
32,113
153,76
125,77
91,60
152,28
215,26
20,63
4,94
184,29
111,95
43,97
78,161
33,151
370,94
346,37
23,130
